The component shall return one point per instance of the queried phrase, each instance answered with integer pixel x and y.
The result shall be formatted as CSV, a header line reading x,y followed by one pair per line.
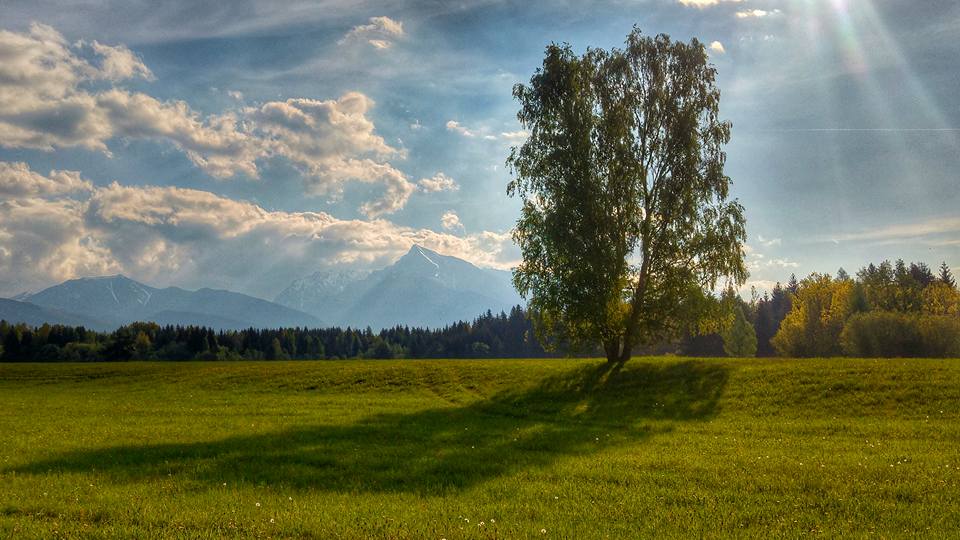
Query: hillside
x,y
666,448
24,312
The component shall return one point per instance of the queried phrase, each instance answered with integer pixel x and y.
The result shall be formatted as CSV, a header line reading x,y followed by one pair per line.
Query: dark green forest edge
x,y
890,309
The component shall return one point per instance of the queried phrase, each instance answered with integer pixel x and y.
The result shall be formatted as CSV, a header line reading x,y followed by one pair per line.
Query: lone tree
x,y
626,224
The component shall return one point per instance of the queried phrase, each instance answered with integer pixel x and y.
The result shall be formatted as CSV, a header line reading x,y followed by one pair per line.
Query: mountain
x,y
117,300
316,292
423,288
14,311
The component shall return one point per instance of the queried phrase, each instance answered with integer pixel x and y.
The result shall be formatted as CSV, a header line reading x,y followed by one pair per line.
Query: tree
x,y
626,223
922,274
946,276
740,339
820,309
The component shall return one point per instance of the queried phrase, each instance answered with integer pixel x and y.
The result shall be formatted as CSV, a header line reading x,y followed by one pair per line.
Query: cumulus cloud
x,y
46,103
379,32
170,235
451,221
18,181
333,142
214,144
118,63
439,182
717,47
46,241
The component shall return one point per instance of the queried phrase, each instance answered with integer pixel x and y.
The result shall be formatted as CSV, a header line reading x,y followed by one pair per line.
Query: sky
x,y
202,144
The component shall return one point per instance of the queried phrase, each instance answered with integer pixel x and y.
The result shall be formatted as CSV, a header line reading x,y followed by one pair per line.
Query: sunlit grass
x,y
477,449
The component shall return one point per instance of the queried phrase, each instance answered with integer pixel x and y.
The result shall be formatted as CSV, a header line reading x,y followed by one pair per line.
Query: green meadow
x,y
665,447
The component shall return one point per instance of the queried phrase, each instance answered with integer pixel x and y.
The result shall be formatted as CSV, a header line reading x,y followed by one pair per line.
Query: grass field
x,y
481,449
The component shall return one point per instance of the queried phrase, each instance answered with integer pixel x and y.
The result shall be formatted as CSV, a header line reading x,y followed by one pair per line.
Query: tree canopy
x,y
626,224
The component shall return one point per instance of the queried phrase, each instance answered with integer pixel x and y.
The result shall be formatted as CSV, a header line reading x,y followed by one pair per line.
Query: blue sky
x,y
241,147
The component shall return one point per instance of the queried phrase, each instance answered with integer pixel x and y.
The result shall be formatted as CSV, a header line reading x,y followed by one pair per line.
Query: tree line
x,y
890,309
491,335
885,310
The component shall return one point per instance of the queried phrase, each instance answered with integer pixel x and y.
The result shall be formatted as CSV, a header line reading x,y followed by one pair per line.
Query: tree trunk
x,y
625,352
612,348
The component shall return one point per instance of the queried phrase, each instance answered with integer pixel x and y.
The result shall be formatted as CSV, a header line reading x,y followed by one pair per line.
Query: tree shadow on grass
x,y
438,450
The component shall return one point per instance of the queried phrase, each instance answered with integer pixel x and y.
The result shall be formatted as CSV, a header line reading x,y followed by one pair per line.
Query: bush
x,y
886,333
881,333
940,336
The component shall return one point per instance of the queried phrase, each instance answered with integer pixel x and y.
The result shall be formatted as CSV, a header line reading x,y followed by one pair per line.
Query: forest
x,y
885,310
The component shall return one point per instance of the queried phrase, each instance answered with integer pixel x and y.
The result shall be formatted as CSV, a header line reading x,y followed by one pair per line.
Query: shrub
x,y
881,333
940,336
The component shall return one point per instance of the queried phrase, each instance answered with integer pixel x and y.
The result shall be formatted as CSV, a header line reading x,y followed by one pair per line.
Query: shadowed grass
x,y
431,451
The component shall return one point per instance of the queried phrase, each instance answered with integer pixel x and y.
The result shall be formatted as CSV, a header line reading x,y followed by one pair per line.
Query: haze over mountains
x,y
111,301
422,288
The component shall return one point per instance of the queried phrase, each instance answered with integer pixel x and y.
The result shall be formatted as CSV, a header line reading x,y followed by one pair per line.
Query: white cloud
x,y
45,104
756,13
509,136
439,182
235,94
700,4
215,144
768,242
454,126
717,47
192,238
380,32
761,262
515,137
118,63
451,221
45,241
926,231
333,142
18,181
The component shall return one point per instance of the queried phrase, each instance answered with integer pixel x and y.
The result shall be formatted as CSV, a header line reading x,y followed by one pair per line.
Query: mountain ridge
x,y
421,288
112,301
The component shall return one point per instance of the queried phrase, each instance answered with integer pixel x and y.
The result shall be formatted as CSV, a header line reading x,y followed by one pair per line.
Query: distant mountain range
x,y
423,288
105,303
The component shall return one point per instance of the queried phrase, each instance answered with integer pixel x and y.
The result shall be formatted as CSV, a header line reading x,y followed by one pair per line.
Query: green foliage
x,y
889,310
821,306
625,221
887,333
946,276
941,298
740,339
881,333
490,335
940,336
